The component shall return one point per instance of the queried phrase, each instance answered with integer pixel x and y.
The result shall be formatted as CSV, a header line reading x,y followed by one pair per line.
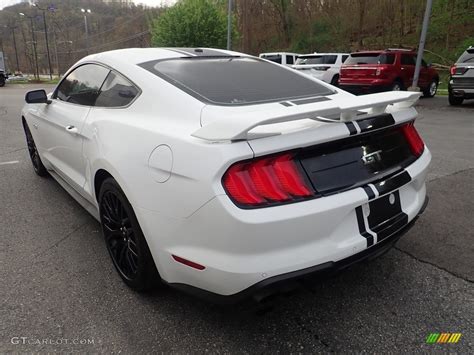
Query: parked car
x,y
391,69
3,74
227,191
284,58
322,66
461,82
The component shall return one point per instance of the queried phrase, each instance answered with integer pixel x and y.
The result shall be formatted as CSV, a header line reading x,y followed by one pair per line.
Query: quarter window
x,y
82,85
116,92
408,59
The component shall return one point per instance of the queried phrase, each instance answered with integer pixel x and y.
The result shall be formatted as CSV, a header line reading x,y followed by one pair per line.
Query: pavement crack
x,y
59,241
434,265
315,336
448,175
12,151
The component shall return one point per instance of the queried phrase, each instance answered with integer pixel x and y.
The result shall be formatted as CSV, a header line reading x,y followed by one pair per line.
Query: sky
x,y
4,3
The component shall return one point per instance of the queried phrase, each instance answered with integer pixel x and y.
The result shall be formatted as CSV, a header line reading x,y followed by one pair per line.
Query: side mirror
x,y
37,97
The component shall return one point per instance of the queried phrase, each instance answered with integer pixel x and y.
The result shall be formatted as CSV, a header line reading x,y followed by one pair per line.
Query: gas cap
x,y
160,163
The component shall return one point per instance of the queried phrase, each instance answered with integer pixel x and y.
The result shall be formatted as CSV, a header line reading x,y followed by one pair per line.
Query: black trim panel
x,y
393,183
377,122
362,229
286,104
370,193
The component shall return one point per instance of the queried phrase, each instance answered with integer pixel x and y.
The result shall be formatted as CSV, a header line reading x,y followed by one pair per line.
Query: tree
x,y
191,23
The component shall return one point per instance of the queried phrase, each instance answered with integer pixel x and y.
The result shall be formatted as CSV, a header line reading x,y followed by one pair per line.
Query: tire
x,y
124,239
455,101
431,90
38,166
397,86
335,80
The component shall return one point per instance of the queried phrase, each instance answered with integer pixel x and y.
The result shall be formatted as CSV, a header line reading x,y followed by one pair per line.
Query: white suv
x,y
322,66
283,58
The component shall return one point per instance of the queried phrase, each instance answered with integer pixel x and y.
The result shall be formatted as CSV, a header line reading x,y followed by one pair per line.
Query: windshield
x,y
370,58
235,80
272,57
316,59
467,56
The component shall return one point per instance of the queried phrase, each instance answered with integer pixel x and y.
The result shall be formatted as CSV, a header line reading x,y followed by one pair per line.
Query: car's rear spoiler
x,y
236,126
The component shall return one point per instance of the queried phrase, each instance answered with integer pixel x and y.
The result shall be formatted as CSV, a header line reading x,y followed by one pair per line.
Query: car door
x,y
60,123
407,66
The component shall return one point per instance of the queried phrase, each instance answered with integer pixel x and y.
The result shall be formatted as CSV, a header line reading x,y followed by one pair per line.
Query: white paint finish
x,y
190,215
160,163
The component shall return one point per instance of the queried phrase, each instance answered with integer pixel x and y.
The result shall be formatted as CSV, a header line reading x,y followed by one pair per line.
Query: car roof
x,y
315,54
275,53
141,55
385,51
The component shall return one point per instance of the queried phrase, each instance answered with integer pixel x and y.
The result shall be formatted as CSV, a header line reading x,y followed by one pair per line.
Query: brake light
x,y
266,181
453,70
417,146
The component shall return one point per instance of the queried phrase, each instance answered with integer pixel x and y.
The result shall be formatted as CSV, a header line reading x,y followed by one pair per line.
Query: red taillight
x,y
266,181
453,70
413,138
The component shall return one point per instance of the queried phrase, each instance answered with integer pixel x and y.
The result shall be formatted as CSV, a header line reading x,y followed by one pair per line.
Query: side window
x,y
116,92
408,59
289,59
344,57
82,85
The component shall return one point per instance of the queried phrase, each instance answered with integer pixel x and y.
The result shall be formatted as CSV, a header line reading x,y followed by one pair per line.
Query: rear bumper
x,y
294,280
461,90
244,248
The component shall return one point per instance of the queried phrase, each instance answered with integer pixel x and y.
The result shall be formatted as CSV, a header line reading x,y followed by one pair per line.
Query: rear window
x,y
317,59
276,58
234,80
370,58
467,56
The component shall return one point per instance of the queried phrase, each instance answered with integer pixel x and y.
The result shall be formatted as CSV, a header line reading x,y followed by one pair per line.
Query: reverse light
x,y
417,146
266,181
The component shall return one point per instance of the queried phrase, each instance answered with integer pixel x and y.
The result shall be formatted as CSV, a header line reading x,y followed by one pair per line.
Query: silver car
x,y
461,82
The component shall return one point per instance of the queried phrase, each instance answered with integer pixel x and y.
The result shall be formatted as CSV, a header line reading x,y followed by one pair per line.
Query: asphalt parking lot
x,y
59,291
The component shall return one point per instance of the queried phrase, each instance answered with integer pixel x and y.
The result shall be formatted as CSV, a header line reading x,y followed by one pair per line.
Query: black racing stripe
x,y
370,193
376,122
311,100
286,104
351,127
386,216
362,230
392,183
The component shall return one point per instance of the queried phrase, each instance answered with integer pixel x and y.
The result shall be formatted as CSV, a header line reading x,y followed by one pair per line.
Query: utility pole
x,y
85,12
421,46
229,26
43,10
34,43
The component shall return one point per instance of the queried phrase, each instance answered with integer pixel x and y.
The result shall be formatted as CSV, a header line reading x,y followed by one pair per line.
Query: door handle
x,y
72,129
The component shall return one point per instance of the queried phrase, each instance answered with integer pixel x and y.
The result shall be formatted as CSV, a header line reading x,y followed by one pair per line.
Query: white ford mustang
x,y
224,174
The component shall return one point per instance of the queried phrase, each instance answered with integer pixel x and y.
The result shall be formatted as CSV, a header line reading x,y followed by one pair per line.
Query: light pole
x,y
46,37
34,42
229,26
12,29
85,12
421,47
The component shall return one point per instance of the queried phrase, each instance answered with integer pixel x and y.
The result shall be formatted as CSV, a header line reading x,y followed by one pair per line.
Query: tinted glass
x,y
235,80
116,92
274,58
467,56
82,85
289,59
344,57
317,59
408,59
370,58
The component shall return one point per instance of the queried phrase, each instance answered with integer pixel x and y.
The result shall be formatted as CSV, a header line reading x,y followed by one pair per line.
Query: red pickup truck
x,y
385,70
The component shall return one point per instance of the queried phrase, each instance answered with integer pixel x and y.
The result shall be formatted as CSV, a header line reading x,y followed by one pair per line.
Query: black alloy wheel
x,y
33,152
124,239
